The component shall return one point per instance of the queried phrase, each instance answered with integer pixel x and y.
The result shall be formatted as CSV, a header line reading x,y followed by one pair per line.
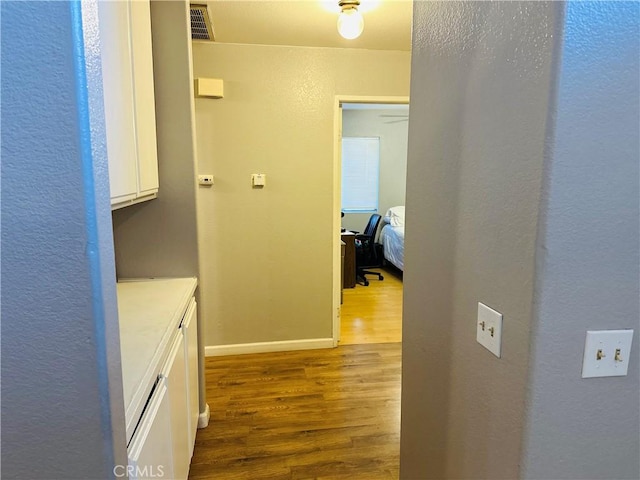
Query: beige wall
x,y
266,255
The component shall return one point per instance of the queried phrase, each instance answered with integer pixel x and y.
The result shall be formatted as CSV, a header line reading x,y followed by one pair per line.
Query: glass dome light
x,y
350,21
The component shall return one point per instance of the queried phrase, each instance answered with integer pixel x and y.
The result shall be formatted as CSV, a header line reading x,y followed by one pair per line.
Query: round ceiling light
x,y
350,21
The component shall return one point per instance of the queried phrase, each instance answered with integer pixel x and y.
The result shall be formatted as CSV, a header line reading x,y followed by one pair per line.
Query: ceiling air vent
x,y
201,28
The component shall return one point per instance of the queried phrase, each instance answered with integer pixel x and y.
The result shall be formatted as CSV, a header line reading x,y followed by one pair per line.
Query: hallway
x,y
330,414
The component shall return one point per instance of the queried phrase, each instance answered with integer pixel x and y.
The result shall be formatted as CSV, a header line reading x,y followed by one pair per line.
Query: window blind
x,y
360,174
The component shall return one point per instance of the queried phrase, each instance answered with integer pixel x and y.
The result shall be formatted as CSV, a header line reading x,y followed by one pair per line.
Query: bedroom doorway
x,y
370,314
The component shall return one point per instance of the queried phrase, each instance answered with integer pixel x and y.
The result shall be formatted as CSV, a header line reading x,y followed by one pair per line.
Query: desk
x,y
349,279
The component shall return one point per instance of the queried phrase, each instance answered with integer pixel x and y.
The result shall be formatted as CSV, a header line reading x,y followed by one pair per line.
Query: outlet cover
x,y
489,329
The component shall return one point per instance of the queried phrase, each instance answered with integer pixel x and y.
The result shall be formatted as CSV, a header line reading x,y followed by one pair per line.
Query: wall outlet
x,y
489,329
606,353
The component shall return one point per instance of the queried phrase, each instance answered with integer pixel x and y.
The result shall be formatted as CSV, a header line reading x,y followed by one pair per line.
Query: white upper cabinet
x,y
127,70
145,106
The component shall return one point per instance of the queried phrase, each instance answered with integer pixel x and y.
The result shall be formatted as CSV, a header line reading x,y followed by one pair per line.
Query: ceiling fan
x,y
400,118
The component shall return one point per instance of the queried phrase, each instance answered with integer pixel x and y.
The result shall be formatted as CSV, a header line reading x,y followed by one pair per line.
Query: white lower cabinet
x,y
163,442
175,373
190,333
150,454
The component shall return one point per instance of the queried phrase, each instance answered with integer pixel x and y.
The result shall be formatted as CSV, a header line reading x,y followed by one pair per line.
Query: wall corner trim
x,y
264,347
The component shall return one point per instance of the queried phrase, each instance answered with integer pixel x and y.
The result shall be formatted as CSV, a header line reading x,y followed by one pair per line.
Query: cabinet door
x,y
150,453
117,80
190,332
175,373
144,100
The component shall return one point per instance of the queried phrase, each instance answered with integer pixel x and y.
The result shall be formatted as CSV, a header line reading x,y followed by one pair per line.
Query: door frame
x,y
337,190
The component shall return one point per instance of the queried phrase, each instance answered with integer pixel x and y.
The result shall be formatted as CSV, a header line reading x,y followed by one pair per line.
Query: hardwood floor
x,y
373,314
312,414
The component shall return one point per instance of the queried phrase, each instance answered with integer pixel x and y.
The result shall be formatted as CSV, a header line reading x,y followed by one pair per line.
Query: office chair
x,y
366,252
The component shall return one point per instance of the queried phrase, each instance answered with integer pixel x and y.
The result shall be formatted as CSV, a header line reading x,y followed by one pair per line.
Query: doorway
x,y
371,314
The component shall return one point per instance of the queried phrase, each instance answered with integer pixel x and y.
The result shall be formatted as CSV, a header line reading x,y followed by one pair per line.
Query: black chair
x,y
366,251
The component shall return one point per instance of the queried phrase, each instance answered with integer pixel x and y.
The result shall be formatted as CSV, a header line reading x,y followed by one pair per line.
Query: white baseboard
x,y
203,418
263,347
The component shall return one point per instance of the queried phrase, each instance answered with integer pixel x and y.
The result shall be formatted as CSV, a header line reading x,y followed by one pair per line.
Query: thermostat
x,y
205,180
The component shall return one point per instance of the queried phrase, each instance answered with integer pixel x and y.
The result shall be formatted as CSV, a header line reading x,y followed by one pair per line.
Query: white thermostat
x,y
206,180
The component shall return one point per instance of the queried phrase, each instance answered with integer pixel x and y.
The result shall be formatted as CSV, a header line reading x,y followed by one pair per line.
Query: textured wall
x,y
393,157
480,83
266,255
587,253
62,409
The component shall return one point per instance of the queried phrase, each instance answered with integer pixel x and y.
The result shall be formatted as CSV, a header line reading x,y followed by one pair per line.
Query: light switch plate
x,y
489,329
606,353
258,179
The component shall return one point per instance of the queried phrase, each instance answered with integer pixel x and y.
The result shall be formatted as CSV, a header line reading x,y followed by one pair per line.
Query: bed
x,y
392,236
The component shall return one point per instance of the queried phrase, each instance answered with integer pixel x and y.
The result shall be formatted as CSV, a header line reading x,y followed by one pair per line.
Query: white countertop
x,y
149,310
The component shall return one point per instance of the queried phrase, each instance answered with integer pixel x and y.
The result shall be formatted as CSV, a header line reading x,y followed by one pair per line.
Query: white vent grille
x,y
201,28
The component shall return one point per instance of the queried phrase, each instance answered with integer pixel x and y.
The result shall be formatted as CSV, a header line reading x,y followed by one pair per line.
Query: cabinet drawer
x,y
150,454
190,333
174,372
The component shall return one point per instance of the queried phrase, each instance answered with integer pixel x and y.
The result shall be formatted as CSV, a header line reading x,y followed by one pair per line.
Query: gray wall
x,y
522,193
393,157
481,80
62,407
587,253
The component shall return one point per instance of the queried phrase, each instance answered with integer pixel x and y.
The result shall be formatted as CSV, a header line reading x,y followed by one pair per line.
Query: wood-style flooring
x,y
312,414
373,314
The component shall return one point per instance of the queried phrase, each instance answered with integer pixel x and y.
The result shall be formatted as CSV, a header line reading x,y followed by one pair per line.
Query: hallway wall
x,y
481,81
588,262
266,255
522,193
62,404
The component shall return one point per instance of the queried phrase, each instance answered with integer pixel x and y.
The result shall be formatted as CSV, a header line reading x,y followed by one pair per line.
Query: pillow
x,y
395,216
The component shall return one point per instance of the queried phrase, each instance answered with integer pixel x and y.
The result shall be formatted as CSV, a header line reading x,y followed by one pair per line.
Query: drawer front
x,y
150,452
190,332
175,374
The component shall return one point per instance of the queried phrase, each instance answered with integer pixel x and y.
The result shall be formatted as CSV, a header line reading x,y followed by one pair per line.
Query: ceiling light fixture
x,y
350,21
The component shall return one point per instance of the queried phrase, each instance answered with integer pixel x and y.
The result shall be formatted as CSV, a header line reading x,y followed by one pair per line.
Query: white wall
x,y
393,156
266,256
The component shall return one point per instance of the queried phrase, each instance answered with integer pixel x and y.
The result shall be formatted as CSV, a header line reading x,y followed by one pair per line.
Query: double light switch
x,y
489,329
606,353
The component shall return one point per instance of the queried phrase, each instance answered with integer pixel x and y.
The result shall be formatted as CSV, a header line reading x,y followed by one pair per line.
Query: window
x,y
360,174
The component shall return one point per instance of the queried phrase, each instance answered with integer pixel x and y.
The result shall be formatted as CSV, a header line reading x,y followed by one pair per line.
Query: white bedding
x,y
392,239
